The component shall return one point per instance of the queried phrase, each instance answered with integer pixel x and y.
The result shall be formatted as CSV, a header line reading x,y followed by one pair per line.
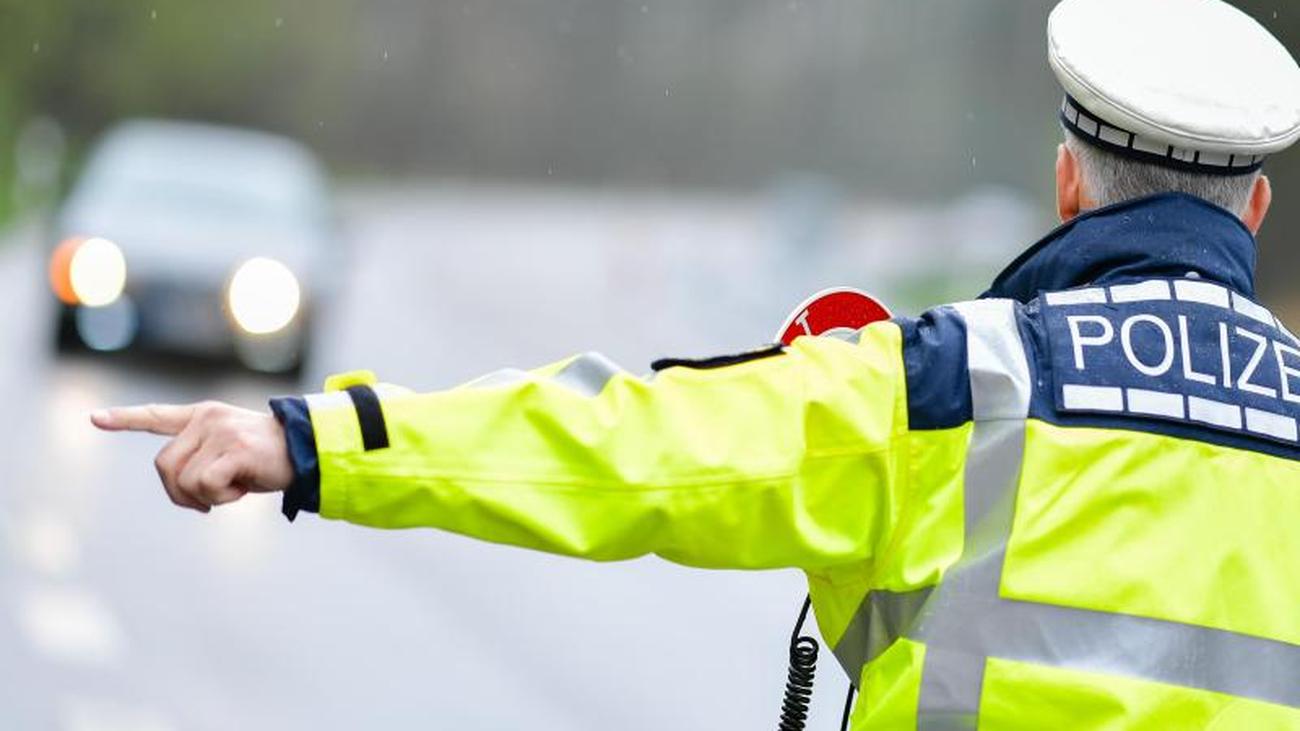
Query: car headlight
x,y
264,296
90,272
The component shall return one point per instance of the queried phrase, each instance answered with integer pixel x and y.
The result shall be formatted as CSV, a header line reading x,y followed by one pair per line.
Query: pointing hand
x,y
218,453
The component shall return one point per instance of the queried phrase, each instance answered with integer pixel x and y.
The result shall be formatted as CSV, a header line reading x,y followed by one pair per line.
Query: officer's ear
x,y
1069,184
1261,197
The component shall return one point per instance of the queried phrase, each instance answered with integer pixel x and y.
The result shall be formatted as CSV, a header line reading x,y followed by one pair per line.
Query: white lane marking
x,y
1092,398
241,535
86,714
47,543
70,625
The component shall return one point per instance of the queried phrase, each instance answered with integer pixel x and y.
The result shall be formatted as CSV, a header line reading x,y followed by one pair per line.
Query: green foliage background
x,y
915,100
87,64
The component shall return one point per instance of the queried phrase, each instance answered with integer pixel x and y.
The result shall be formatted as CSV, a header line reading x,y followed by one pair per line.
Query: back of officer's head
x,y
1109,178
1169,96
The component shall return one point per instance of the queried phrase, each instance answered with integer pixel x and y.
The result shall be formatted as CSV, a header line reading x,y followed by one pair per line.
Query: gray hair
x,y
1110,179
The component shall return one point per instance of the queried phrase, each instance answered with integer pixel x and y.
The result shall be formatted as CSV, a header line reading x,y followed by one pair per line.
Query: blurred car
x,y
194,239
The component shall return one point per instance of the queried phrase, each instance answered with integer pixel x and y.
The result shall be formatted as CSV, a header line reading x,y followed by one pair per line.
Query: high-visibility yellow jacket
x,y
1072,504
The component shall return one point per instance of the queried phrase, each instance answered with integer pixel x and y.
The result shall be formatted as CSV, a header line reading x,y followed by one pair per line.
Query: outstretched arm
x,y
786,460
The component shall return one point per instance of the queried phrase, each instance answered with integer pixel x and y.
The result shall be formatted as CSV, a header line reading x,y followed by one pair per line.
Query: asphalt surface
x,y
118,611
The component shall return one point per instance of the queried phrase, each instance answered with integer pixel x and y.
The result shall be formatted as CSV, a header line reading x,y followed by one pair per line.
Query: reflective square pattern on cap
x,y
1191,84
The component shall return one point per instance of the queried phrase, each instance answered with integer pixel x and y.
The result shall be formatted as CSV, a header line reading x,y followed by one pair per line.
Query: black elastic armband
x,y
370,416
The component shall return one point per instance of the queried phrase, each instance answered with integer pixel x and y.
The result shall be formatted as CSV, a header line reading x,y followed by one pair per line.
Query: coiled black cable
x,y
848,708
799,679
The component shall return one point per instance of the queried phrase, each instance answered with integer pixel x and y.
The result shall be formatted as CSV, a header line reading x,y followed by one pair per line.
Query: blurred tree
x,y
922,99
88,63
727,93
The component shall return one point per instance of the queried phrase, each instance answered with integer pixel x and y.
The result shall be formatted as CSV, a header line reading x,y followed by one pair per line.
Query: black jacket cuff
x,y
304,492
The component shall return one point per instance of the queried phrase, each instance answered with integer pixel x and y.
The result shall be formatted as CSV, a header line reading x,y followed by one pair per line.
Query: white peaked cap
x,y
1192,84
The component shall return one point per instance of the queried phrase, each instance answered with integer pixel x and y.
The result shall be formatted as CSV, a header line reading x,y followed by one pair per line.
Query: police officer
x,y
1071,503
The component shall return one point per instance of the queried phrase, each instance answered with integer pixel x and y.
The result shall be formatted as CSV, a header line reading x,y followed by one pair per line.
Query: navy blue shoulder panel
x,y
938,381
1034,334
1184,358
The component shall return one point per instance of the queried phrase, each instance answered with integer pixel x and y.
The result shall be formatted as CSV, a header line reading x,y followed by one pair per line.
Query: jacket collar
x,y
1166,235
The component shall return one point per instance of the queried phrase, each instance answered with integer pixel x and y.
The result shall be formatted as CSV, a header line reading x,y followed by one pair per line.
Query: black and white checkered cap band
x,y
1107,136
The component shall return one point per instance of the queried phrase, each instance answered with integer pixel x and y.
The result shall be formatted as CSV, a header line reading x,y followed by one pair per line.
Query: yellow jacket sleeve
x,y
782,461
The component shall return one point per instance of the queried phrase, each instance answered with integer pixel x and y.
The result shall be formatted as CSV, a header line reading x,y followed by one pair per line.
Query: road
x,y
120,612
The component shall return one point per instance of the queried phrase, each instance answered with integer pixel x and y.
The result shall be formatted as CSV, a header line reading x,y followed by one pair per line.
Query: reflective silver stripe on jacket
x,y
953,674
586,374
964,621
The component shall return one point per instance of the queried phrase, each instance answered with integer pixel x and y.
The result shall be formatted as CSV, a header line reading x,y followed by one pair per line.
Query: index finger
x,y
162,419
